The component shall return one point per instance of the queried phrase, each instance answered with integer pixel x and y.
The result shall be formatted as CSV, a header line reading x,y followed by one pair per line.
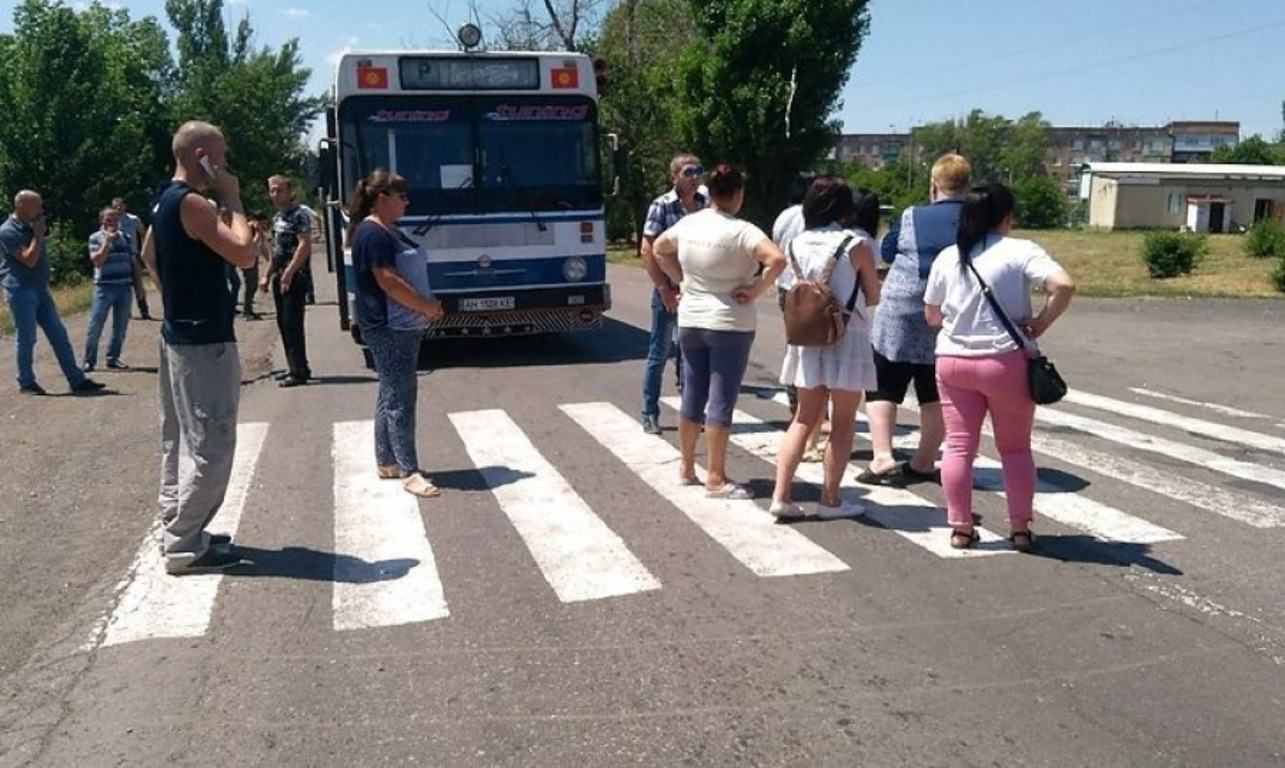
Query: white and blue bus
x,y
502,157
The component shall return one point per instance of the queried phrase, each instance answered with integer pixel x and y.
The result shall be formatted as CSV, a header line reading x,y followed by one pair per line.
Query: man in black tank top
x,y
188,249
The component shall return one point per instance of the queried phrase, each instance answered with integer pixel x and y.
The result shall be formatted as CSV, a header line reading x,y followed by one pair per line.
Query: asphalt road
x,y
564,603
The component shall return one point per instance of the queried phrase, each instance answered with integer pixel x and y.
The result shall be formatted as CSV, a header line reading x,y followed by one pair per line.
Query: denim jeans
x,y
396,354
32,308
659,347
114,298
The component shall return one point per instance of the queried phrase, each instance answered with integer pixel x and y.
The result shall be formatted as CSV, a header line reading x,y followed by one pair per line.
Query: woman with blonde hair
x,y
378,202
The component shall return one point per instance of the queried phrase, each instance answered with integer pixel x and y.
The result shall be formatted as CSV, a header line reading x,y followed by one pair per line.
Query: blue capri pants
x,y
714,364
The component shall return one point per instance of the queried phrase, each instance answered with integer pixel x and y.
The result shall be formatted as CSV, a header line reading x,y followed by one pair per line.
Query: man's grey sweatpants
x,y
200,389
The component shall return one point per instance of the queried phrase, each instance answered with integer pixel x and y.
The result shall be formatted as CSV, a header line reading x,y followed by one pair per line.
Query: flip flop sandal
x,y
729,491
390,472
887,477
964,539
911,475
689,481
1023,541
785,510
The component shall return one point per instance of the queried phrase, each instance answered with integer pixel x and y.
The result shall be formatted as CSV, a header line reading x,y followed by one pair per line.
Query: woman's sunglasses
x,y
693,172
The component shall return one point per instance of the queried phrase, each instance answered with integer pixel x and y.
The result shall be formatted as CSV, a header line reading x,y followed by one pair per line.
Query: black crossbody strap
x,y
997,309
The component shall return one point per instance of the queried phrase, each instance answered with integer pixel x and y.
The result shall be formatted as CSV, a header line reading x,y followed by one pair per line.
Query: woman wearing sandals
x,y
981,368
712,256
378,202
841,372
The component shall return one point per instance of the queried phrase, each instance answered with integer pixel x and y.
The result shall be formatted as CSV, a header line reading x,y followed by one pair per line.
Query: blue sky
x,y
1083,62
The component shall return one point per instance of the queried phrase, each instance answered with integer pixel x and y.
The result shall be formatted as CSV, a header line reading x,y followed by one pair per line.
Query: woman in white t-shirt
x,y
713,256
841,372
980,367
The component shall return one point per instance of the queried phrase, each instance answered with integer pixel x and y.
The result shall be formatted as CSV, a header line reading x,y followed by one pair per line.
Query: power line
x,y
1174,48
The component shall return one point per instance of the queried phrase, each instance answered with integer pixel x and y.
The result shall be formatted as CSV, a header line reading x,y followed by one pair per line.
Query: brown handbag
x,y
813,316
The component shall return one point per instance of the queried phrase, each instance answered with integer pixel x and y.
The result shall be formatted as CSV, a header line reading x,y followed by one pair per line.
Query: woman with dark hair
x,y
841,372
980,367
714,256
378,202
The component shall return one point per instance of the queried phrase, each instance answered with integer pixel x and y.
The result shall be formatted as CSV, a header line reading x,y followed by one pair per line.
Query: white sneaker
x,y
845,510
784,510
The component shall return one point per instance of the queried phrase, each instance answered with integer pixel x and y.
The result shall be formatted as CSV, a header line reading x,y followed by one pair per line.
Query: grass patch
x,y
70,300
1111,264
623,254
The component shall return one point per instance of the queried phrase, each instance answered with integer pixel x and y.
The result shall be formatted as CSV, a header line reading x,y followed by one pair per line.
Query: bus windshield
x,y
478,154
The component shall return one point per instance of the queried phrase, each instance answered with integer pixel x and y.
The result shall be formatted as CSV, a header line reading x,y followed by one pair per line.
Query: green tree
x,y
759,88
1041,203
637,40
998,148
1252,151
257,96
82,94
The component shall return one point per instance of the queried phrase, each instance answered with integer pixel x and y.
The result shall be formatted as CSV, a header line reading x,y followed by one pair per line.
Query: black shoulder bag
x,y
1045,383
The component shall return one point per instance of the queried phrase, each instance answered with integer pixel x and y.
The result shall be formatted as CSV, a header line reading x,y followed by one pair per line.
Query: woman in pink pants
x,y
980,367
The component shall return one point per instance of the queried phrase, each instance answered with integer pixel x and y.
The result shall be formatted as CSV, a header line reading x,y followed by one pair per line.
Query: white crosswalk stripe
x,y
154,605
385,572
378,525
1223,409
1074,509
1190,454
1217,500
1224,432
580,557
746,531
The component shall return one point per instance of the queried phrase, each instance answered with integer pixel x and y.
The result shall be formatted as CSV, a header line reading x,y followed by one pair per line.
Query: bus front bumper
x,y
522,312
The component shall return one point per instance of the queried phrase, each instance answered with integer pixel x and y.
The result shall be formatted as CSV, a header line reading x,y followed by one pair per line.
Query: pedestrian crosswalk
x,y
386,573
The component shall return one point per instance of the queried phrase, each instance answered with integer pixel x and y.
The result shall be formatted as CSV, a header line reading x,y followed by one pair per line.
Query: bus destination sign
x,y
471,74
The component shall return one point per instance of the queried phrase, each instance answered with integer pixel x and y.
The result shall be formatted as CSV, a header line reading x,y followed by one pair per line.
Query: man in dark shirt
x,y
188,249
24,273
288,276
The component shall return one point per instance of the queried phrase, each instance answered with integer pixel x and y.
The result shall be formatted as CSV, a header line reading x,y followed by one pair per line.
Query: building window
x,y
1173,206
1077,144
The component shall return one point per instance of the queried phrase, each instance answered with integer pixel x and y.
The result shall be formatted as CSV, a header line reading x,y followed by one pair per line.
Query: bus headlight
x,y
575,269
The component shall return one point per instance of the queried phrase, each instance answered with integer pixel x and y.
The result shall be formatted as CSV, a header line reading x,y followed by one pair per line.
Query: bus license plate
x,y
490,304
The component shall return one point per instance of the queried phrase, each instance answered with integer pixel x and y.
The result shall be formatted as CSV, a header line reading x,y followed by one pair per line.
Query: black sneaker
x,y
291,381
651,425
88,387
32,389
117,365
87,367
213,560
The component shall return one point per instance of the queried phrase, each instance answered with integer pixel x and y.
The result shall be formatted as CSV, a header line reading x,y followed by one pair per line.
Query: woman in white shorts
x,y
839,373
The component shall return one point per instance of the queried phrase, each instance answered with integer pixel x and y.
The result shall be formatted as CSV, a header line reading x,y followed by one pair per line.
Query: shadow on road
x,y
1079,548
476,480
615,342
306,564
341,380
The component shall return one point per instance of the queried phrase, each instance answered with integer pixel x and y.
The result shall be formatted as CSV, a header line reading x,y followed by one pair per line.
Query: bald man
x,y
188,249
24,273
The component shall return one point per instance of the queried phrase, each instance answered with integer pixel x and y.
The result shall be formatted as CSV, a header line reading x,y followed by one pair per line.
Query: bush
x,y
68,255
1169,254
1278,275
1266,239
1041,204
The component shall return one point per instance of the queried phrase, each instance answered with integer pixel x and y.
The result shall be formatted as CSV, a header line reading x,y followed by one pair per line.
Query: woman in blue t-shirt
x,y
378,202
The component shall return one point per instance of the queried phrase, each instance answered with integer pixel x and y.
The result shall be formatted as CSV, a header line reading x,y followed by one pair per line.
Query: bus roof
x,y
372,73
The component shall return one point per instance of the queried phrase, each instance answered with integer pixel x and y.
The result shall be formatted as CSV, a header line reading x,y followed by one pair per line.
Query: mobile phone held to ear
x,y
206,166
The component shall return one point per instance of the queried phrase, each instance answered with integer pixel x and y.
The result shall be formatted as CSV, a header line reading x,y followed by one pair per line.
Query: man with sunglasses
x,y
687,196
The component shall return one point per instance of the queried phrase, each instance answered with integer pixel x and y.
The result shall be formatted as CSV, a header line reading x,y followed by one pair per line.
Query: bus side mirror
x,y
619,162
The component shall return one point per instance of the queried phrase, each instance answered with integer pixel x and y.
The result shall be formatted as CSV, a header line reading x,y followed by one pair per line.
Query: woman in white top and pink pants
x,y
980,368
